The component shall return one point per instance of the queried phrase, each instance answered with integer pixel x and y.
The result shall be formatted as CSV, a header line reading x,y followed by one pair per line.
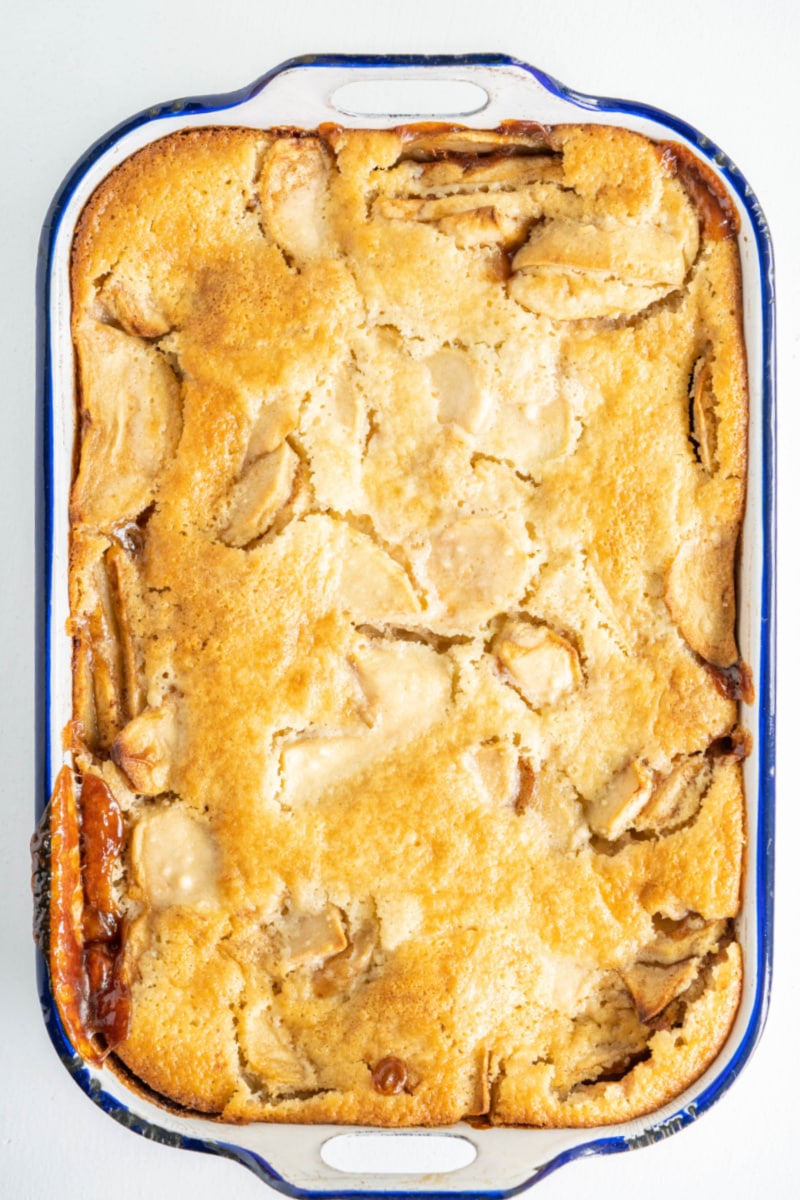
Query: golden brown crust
x,y
410,478
526,1093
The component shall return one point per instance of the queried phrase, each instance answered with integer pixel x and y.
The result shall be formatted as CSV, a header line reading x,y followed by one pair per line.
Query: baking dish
x,y
489,90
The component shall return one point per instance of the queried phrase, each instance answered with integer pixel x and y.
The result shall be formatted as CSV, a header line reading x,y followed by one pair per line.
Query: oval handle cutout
x,y
431,98
397,1153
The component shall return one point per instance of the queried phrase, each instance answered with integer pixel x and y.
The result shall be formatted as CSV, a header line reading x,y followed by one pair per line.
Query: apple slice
x,y
175,859
542,664
373,587
271,1064
292,191
311,936
496,766
703,414
261,491
131,406
616,809
461,399
338,973
569,269
131,304
676,798
700,595
653,986
144,749
691,937
476,568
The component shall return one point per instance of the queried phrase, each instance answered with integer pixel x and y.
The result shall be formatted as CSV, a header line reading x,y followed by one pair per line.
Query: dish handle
x,y
372,91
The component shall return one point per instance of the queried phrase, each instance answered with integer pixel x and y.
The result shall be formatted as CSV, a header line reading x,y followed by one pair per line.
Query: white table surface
x,y
72,70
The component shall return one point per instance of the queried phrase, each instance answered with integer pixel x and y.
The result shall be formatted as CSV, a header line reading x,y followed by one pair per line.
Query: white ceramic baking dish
x,y
478,91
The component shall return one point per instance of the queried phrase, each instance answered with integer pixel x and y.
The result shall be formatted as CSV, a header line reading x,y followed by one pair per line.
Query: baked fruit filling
x,y
406,776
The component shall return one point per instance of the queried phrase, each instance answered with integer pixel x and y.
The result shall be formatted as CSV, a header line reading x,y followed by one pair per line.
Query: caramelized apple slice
x,y
482,1094
606,1037
66,915
102,834
131,304
338,973
415,179
470,220
703,417
616,809
542,664
108,686
312,936
700,595
568,270
292,191
691,937
106,673
653,986
262,490
526,792
676,798
123,587
422,146
144,749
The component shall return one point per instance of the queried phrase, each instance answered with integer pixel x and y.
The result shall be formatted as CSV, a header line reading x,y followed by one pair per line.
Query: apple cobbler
x,y
406,776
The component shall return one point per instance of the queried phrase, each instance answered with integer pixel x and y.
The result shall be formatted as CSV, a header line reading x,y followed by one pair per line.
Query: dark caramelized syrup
x,y
102,833
77,922
737,744
717,213
390,1076
734,683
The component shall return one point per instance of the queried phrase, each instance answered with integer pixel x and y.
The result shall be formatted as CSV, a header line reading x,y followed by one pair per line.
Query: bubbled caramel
x,y
390,1076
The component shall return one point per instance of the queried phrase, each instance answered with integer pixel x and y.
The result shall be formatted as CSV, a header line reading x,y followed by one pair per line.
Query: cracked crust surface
x,y
409,482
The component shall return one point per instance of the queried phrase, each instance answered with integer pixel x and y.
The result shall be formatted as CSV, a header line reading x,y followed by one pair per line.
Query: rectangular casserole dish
x,y
299,95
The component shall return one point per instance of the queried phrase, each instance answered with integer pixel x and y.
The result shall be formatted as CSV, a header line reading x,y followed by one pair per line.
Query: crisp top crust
x,y
408,493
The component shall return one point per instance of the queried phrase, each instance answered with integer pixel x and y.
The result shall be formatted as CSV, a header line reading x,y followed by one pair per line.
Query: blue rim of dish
x,y
766,715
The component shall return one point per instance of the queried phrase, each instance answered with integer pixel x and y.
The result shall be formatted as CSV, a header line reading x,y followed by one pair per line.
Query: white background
x,y
73,70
